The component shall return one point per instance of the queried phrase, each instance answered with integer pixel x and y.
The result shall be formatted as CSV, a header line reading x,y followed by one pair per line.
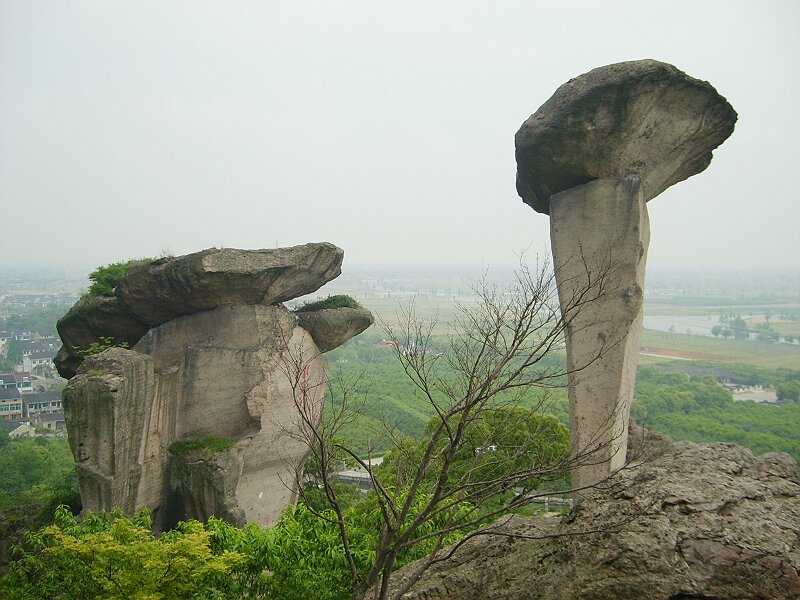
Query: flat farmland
x,y
669,346
680,312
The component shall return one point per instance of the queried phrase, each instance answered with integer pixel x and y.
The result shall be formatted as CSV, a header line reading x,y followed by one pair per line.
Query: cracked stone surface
x,y
164,289
699,521
331,327
603,337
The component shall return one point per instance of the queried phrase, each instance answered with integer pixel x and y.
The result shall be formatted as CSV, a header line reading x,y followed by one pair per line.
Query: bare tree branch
x,y
498,360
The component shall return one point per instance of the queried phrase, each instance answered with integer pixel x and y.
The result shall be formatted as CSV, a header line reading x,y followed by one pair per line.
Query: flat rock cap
x,y
640,117
159,291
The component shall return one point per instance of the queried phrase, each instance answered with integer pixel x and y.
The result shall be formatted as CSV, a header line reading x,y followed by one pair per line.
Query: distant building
x,y
21,380
50,421
4,337
10,404
39,358
22,429
41,402
8,381
39,351
24,381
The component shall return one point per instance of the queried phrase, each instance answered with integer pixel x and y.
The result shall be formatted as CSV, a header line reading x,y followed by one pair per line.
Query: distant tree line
x,y
699,409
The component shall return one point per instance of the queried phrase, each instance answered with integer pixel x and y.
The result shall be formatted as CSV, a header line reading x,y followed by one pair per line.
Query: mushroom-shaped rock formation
x,y
161,290
200,416
152,293
641,117
591,157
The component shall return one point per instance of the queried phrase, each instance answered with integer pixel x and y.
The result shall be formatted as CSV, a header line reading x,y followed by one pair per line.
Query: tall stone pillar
x,y
602,146
599,233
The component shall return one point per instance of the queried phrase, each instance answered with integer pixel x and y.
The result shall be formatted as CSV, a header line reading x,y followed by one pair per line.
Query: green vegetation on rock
x,y
338,301
105,279
196,445
97,347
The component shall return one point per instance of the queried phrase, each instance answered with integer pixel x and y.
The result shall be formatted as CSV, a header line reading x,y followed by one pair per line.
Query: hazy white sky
x,y
132,128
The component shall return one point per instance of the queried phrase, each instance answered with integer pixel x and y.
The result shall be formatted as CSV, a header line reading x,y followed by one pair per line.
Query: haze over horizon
x,y
133,129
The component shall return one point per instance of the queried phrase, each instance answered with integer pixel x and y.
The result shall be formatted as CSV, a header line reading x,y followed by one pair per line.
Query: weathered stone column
x,y
602,146
599,233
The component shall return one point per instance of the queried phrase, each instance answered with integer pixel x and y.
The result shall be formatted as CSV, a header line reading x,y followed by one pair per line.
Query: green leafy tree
x,y
36,318
33,469
499,443
701,410
739,328
789,391
112,557
14,351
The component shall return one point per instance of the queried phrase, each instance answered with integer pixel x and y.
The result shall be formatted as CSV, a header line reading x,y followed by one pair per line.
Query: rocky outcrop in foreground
x,y
200,416
698,522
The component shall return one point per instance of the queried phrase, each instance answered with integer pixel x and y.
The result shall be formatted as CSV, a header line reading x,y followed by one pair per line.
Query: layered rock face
x,y
591,157
700,521
232,367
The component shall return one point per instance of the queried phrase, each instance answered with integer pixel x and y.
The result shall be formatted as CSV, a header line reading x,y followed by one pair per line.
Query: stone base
x,y
234,372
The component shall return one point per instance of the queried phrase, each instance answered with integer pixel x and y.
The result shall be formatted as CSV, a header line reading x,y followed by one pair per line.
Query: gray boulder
x,y
152,293
89,320
158,291
332,327
640,117
699,521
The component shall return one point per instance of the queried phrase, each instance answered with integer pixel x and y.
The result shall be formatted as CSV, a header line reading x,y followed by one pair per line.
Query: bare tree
x,y
479,443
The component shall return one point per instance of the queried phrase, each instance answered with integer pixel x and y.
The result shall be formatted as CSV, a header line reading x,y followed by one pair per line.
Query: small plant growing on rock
x,y
105,279
105,343
338,301
196,445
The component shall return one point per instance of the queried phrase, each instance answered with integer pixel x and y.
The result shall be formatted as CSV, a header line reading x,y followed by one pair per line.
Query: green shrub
x,y
201,446
109,556
105,279
338,301
105,343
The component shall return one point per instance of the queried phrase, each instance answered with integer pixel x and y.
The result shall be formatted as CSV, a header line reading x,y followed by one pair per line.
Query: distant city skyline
x,y
133,129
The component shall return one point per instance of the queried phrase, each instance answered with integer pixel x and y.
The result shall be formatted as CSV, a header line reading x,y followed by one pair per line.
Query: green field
x,y
444,311
760,354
